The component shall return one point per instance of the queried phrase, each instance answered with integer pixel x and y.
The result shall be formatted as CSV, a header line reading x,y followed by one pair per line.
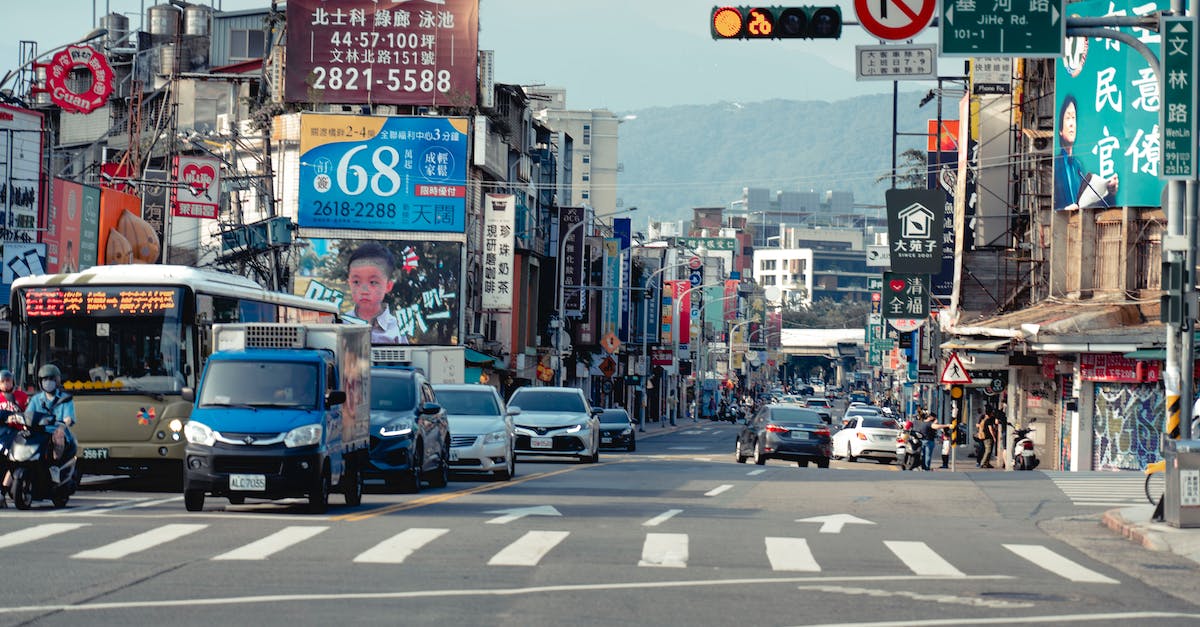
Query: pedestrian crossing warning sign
x,y
955,372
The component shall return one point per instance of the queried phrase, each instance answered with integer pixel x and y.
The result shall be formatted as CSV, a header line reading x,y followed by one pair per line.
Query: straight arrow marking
x,y
833,523
516,513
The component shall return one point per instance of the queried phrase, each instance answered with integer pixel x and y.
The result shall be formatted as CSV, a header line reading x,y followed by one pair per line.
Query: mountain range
x,y
680,157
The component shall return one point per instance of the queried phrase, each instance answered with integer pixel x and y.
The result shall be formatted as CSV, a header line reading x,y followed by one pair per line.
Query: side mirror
x,y
336,397
512,411
596,411
188,394
430,408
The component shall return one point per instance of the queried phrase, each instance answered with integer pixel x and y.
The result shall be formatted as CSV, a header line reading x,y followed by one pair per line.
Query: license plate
x,y
248,483
606,440
453,454
95,453
541,442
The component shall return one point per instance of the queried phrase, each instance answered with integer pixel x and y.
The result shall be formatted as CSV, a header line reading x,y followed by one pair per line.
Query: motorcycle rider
x,y
12,402
53,401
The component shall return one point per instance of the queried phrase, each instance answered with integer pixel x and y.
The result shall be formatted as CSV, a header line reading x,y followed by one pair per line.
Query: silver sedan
x,y
481,429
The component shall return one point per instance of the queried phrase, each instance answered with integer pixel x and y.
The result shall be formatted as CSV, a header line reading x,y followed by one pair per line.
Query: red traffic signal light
x,y
776,22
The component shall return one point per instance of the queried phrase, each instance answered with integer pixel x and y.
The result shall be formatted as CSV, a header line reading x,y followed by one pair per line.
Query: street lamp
x,y
562,288
95,34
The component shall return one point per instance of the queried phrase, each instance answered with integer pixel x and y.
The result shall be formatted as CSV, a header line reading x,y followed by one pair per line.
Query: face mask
x,y
49,385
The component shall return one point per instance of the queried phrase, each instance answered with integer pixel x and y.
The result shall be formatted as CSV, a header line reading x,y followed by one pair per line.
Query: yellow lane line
x,y
441,498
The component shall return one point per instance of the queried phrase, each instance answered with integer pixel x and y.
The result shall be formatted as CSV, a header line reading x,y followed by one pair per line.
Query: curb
x,y
1148,539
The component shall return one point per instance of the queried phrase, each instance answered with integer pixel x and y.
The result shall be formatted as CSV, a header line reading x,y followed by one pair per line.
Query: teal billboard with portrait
x,y
1107,101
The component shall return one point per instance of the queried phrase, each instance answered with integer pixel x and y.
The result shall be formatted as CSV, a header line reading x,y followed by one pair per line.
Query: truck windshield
x,y
259,384
107,339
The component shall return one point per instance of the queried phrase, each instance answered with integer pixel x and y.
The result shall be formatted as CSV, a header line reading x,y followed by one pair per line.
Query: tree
x,y
826,313
912,172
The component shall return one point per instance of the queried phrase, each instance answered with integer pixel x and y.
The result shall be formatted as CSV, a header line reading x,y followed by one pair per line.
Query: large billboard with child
x,y
406,290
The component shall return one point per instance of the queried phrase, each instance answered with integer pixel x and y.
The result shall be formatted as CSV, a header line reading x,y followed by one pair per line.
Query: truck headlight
x,y
495,436
199,433
302,436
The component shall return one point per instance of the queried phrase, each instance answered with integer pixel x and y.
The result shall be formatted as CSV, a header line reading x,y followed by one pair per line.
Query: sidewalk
x,y
1134,523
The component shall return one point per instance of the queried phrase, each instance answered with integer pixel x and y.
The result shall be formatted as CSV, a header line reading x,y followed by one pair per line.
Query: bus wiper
x,y
237,405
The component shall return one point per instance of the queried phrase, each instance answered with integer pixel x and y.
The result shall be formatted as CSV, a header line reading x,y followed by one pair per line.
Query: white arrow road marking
x,y
517,513
140,542
791,554
665,550
397,548
1058,564
719,489
272,544
661,518
922,560
833,523
529,549
39,532
756,472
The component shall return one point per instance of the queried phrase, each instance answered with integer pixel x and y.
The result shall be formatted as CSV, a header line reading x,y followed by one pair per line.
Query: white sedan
x,y
871,436
481,429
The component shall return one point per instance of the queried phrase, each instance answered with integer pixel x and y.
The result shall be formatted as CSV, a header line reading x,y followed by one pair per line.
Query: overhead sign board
x,y
708,243
905,296
896,20
878,257
991,75
1002,29
915,230
1177,116
896,62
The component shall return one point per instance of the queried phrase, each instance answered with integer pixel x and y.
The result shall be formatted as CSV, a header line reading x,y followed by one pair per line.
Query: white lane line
x,y
99,509
686,448
662,518
791,554
921,559
529,549
39,532
665,550
1058,564
272,544
140,542
756,472
719,489
397,548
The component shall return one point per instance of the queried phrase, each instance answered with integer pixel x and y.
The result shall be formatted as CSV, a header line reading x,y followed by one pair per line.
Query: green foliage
x,y
826,313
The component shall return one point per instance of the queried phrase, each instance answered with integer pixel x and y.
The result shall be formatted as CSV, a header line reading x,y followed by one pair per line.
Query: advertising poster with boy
x,y
406,290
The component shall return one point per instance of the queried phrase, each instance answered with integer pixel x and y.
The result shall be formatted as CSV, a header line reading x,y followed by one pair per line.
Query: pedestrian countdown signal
x,y
776,22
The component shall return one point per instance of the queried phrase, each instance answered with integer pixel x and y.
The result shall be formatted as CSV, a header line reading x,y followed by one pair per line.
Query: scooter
x,y
1023,456
909,452
35,476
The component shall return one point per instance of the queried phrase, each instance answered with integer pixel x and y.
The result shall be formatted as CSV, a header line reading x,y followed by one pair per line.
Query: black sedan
x,y
617,430
785,432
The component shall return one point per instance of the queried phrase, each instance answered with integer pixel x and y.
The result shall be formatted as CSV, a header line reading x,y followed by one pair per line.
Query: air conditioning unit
x,y
1038,143
224,124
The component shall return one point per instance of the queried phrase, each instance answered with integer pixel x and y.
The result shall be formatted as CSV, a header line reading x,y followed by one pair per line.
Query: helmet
x,y
908,424
6,374
48,371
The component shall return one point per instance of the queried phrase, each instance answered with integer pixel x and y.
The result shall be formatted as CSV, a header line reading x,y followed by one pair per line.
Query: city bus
x,y
128,339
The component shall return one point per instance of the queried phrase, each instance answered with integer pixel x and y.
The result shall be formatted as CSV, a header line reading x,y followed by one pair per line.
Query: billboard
x,y
1106,142
498,251
420,52
123,236
383,173
197,189
406,289
20,173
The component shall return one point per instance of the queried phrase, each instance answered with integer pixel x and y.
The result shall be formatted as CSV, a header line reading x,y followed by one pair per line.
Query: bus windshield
x,y
107,339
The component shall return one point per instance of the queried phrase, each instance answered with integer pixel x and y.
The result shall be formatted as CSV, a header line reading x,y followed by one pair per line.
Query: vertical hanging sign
x,y
499,222
1177,116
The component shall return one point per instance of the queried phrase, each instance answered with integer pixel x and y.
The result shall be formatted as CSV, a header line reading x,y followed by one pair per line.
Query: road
x,y
673,534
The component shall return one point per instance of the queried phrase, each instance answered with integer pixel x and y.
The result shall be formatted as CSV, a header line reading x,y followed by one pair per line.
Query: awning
x,y
1147,353
478,359
974,344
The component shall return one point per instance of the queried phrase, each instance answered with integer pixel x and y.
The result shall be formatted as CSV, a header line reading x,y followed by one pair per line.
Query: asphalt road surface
x,y
676,533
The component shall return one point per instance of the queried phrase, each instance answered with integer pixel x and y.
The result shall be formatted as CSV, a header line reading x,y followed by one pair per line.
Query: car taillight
x,y
821,432
861,435
1027,445
777,429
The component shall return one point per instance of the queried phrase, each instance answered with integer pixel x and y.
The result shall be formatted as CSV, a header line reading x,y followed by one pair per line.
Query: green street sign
x,y
1002,29
710,243
1177,115
875,283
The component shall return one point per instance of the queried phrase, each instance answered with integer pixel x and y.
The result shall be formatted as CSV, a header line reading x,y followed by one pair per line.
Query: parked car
x,y
785,432
410,437
871,436
617,430
481,429
557,421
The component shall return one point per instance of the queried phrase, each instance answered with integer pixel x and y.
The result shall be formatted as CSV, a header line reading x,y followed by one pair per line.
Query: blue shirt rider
x,y
53,401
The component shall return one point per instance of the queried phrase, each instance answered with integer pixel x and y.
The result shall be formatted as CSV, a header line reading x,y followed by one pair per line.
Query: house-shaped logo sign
x,y
916,222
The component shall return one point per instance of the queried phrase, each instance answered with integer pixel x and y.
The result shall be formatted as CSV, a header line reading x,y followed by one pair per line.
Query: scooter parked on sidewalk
x,y
1023,455
909,452
28,456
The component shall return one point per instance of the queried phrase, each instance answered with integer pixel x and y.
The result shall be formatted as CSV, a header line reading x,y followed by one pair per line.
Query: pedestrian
x,y
929,429
977,437
947,441
991,433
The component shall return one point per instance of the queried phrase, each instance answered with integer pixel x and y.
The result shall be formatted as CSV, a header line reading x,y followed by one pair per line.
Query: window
x,y
586,177
247,44
587,134
587,159
767,264
769,279
585,194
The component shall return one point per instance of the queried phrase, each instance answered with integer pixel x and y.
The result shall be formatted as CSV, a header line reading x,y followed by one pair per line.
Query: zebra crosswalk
x,y
533,548
1100,488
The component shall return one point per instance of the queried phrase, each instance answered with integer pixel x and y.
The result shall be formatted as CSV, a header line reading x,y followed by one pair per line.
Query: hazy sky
x,y
619,54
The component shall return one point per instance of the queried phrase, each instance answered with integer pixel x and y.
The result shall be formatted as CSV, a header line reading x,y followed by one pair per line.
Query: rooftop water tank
x,y
118,29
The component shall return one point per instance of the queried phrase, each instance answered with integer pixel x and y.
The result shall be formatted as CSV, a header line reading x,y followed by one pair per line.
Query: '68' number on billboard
x,y
408,80
352,179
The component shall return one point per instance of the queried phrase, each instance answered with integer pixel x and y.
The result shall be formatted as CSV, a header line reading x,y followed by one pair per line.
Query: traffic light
x,y
1174,277
776,22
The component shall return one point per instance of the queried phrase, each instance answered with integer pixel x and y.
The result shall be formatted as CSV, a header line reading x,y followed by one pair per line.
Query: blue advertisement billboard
x,y
383,173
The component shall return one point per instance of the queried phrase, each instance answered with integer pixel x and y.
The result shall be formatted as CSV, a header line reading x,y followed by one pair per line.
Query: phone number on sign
x,y
395,79
354,209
